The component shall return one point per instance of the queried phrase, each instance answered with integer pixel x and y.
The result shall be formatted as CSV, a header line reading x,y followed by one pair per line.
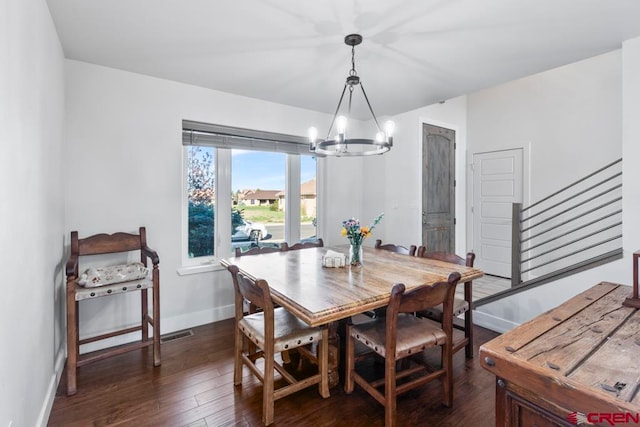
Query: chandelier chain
x,y
352,72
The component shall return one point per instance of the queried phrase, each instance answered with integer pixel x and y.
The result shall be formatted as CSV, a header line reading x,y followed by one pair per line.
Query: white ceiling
x,y
415,52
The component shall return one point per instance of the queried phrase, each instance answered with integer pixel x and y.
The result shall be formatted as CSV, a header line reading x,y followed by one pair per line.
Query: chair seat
x,y
414,334
289,331
460,306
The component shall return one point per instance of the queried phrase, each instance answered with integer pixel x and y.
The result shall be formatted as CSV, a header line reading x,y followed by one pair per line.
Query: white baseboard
x,y
167,326
190,320
45,410
494,323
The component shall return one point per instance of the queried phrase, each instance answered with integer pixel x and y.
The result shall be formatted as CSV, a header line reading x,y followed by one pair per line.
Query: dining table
x,y
320,295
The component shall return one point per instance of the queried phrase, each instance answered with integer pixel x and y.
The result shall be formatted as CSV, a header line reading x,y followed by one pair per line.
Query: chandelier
x,y
342,144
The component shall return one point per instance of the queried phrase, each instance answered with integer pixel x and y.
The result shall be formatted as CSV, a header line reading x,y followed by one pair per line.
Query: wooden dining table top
x,y
319,295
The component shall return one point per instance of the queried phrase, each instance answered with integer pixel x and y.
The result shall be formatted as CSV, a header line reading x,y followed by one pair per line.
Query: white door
x,y
497,184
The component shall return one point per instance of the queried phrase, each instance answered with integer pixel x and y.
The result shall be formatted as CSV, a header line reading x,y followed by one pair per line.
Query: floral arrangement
x,y
352,230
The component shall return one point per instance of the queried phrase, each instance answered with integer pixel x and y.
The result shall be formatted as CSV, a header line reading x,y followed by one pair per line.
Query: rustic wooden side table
x,y
578,363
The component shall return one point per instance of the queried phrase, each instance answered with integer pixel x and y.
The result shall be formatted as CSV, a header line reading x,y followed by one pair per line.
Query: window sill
x,y
210,266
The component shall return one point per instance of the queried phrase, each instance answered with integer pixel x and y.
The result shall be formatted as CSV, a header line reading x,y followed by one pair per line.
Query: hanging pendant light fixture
x,y
342,144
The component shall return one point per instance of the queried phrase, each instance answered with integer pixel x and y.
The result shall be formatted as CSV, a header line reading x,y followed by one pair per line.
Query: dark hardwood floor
x,y
194,387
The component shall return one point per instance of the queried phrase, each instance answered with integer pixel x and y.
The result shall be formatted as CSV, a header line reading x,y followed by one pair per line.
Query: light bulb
x,y
380,136
389,127
313,134
341,124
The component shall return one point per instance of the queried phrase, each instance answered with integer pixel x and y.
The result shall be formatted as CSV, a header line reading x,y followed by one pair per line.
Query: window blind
x,y
219,136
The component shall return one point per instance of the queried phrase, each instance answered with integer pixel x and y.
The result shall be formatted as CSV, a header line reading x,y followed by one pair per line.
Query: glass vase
x,y
355,255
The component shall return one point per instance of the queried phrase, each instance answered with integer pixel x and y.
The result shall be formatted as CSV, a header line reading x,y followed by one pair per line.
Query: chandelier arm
x,y
375,119
337,110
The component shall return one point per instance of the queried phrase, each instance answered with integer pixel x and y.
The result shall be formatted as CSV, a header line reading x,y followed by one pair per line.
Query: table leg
x,y
334,354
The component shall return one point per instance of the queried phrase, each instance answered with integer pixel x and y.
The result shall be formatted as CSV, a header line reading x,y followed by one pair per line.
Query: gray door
x,y
438,188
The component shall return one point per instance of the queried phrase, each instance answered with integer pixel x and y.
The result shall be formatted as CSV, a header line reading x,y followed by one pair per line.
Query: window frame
x,y
222,144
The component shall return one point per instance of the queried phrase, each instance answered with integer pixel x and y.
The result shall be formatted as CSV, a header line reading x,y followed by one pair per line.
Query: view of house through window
x,y
259,198
257,185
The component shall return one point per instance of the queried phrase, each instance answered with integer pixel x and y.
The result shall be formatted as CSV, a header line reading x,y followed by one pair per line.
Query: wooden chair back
x,y
317,244
419,299
100,244
256,292
447,257
396,248
259,250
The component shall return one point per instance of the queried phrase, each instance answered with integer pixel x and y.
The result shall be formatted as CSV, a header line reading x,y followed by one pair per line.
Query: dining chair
x,y
273,330
396,248
317,244
402,336
461,306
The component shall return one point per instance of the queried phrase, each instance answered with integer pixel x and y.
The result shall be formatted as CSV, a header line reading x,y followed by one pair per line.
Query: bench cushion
x,y
101,276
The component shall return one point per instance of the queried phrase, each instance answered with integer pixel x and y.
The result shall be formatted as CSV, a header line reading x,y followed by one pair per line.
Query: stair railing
x,y
575,228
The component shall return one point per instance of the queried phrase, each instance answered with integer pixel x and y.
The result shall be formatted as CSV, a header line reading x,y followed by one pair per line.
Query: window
x,y
271,182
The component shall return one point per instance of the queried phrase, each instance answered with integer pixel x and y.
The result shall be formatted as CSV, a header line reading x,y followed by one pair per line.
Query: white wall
x,y
31,212
571,120
124,158
630,151
393,181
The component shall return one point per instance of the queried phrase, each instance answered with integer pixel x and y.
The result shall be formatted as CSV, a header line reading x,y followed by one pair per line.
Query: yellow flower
x,y
343,231
365,231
